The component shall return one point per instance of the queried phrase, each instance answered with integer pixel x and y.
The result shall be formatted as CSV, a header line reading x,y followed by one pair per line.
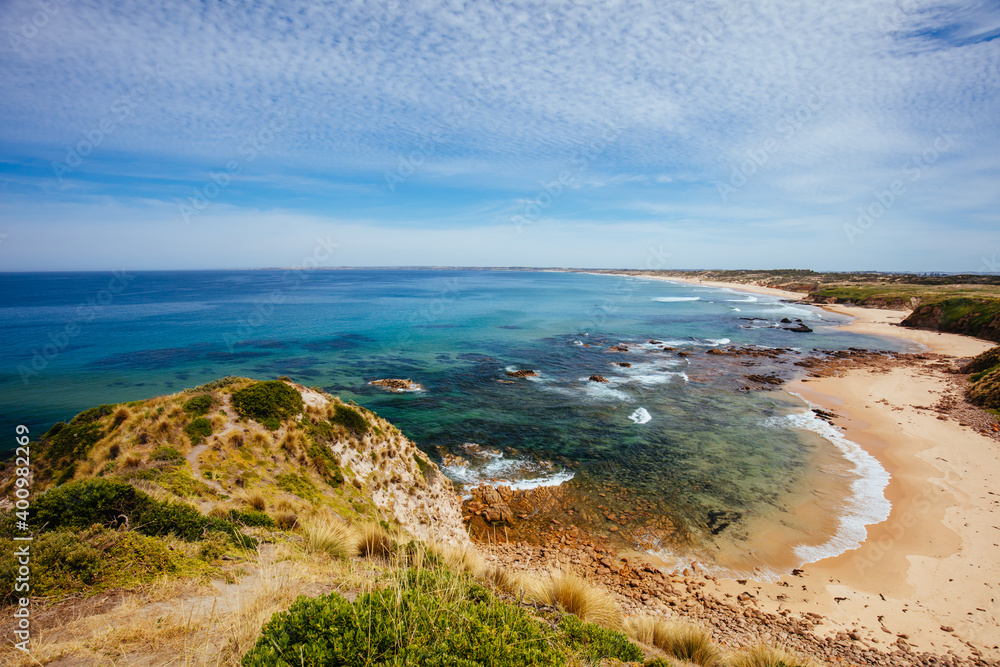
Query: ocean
x,y
743,481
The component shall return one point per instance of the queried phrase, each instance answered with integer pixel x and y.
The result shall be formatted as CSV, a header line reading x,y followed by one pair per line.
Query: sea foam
x,y
640,416
867,504
675,299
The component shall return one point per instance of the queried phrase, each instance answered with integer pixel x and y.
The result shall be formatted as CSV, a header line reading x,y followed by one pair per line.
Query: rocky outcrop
x,y
523,373
396,384
597,378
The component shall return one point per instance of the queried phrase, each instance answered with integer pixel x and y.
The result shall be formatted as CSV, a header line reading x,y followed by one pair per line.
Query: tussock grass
x,y
257,501
332,537
578,596
681,640
463,560
286,520
767,656
261,439
374,540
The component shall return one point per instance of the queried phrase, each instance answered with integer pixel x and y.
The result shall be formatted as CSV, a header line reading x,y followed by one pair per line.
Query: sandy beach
x,y
930,574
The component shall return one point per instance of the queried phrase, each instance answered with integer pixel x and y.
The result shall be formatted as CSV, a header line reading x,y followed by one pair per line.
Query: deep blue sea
x,y
673,430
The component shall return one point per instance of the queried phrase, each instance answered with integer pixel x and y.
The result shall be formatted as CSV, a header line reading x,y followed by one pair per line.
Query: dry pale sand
x,y
930,573
755,289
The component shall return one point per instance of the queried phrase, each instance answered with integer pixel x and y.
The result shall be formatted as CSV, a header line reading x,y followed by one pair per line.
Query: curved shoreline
x,y
931,570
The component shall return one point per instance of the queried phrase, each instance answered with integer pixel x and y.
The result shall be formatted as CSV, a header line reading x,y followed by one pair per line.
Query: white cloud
x,y
499,97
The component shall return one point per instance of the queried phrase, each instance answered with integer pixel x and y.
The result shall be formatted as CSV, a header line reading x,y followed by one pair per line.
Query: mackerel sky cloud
x,y
216,134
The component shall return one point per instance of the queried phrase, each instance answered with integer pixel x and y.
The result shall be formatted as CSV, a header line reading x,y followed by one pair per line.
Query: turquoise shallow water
x,y
674,430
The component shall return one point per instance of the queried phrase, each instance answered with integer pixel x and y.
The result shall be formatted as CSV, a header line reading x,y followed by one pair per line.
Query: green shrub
x,y
350,418
88,562
326,464
167,453
597,643
421,464
986,392
270,423
93,414
984,361
271,399
116,504
67,474
65,444
294,484
199,405
199,429
406,626
250,518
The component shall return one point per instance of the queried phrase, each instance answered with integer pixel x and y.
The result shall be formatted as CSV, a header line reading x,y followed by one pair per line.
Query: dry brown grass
x,y
767,656
286,520
331,537
261,439
681,640
375,541
132,460
580,597
257,501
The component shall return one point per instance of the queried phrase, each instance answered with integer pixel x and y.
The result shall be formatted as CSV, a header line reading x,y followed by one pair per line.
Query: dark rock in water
x,y
656,342
623,364
824,415
618,348
800,328
683,354
719,520
785,320
597,378
523,373
668,349
716,351
765,379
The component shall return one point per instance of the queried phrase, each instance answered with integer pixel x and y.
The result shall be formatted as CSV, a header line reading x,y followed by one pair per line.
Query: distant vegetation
x,y
966,304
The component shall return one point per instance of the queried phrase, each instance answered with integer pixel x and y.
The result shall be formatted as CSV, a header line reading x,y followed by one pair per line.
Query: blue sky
x,y
222,134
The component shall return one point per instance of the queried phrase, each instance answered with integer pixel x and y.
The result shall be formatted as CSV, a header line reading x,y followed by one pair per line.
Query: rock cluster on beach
x,y
734,620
